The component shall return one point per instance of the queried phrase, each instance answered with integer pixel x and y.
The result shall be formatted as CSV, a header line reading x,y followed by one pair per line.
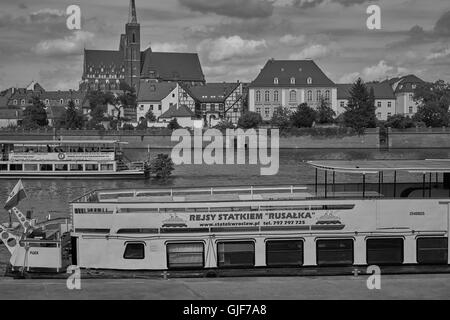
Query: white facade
x,y
157,107
384,108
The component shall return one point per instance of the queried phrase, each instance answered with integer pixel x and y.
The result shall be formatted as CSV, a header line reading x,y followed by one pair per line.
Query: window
x,y
47,102
284,253
410,109
318,95
292,80
432,250
30,167
236,254
15,102
3,167
76,167
379,115
275,96
60,167
384,251
15,167
334,252
141,107
342,103
22,102
379,104
185,255
46,167
267,96
292,95
275,81
258,110
389,104
151,107
258,96
327,95
389,114
134,251
106,167
203,106
267,112
309,80
309,95
159,107
212,107
411,96
61,102
91,167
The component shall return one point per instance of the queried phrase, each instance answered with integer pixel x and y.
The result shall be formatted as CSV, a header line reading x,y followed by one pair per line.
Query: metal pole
x,y
379,182
326,178
423,185
364,185
429,191
334,182
395,184
316,183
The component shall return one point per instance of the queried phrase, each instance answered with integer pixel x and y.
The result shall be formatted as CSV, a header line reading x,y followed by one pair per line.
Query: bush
x,y
161,166
304,117
432,116
400,121
127,126
281,118
249,120
173,124
224,124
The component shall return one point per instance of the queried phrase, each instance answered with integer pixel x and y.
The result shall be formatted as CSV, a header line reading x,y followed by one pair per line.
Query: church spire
x,y
132,18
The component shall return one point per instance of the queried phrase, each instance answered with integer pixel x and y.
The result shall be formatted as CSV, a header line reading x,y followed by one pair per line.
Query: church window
x,y
258,96
134,38
309,95
267,96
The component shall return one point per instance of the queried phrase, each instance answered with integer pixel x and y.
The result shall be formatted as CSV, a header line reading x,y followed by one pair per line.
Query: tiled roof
x,y
154,91
284,70
172,66
211,92
103,57
10,114
176,111
407,83
381,90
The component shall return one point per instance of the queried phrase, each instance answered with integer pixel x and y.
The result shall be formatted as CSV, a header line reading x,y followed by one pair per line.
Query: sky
x,y
234,38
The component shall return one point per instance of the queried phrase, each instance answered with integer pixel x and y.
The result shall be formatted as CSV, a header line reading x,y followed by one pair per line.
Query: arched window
x,y
292,80
267,96
15,102
47,102
327,95
275,80
293,95
309,95
309,80
134,38
22,102
275,96
61,102
318,95
258,96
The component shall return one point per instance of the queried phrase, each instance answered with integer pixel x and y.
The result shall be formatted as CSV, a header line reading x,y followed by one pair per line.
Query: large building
x,y
404,93
289,83
385,100
110,70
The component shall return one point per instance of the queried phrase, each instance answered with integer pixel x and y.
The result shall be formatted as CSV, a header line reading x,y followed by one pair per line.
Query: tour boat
x,y
67,159
254,228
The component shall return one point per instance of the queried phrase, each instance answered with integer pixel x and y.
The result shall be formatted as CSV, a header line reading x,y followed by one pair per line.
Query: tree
x,y
324,112
98,102
304,116
74,119
149,116
142,125
126,100
399,121
161,166
281,118
173,124
360,111
35,115
434,99
432,115
249,120
224,124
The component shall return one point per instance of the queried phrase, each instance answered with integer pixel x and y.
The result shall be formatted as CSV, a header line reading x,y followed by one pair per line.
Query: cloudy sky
x,y
234,38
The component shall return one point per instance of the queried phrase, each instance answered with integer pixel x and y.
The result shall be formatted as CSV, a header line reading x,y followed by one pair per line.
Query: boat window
x,y
46,167
60,167
185,255
107,167
15,167
432,250
272,208
76,167
134,251
334,252
30,167
3,167
284,253
236,254
91,167
384,251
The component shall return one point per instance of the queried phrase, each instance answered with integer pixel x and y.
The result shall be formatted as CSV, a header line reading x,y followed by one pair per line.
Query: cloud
x,y
47,15
376,72
305,4
226,48
232,8
442,26
291,40
69,45
314,51
168,47
440,54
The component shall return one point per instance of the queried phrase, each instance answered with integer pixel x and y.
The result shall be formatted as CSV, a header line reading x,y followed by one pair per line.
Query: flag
x,y
17,194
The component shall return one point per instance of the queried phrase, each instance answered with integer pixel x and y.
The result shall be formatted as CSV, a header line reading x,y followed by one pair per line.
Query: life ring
x,y
61,156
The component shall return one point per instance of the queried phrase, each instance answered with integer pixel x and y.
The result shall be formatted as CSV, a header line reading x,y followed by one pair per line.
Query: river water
x,y
53,196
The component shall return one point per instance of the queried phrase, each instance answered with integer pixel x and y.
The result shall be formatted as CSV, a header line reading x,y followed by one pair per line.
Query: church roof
x,y
284,70
154,91
103,57
172,66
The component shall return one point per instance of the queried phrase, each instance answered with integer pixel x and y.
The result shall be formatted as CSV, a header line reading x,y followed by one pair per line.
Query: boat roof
x,y
40,142
376,166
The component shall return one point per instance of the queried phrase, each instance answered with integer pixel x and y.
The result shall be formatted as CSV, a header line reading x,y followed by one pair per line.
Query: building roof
x,y
172,66
284,70
176,111
212,92
103,57
154,91
381,90
10,114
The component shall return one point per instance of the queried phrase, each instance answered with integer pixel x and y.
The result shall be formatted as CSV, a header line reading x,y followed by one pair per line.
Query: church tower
x,y
132,48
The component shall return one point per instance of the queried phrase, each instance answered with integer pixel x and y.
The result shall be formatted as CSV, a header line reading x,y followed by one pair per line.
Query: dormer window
x,y
47,102
309,80
61,102
292,80
22,102
275,81
15,102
